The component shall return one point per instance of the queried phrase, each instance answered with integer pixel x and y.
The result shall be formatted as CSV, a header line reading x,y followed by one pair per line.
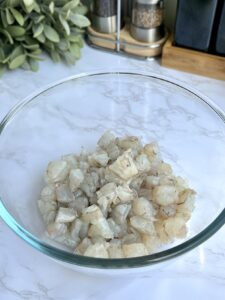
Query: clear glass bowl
x,y
74,112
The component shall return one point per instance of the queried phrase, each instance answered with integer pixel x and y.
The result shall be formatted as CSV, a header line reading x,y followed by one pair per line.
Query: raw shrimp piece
x,y
82,247
134,250
143,207
113,151
55,230
75,228
106,139
131,238
71,160
98,158
151,242
65,215
89,184
186,195
175,227
152,151
101,228
125,193
130,142
120,212
76,177
164,169
142,225
48,193
57,171
165,195
151,181
115,250
92,214
48,210
64,194
124,166
79,204
142,163
97,250
167,211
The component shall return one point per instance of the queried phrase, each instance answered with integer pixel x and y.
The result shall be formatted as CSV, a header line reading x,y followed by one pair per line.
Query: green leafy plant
x,y
27,27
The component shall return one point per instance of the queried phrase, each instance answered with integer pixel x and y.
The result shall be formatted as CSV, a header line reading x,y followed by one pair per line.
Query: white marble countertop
x,y
27,274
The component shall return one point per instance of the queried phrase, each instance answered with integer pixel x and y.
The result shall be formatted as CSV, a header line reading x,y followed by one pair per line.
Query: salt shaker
x,y
104,16
147,20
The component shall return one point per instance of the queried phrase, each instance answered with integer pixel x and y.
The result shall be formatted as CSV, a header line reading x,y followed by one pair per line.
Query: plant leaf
x,y
28,3
17,61
36,52
29,40
63,45
16,52
81,42
31,47
35,55
33,65
51,34
81,10
29,26
79,20
38,19
16,30
69,57
30,8
9,17
49,45
7,34
67,16
64,24
60,2
74,38
7,51
70,5
20,38
13,3
36,7
18,16
55,56
6,59
2,69
37,30
2,54
25,65
51,7
77,39
3,19
41,38
75,49
76,30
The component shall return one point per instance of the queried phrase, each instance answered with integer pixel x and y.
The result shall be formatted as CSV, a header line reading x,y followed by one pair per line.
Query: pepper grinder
x,y
104,15
146,20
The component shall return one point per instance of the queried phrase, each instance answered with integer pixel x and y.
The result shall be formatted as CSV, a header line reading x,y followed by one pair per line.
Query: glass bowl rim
x,y
108,263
